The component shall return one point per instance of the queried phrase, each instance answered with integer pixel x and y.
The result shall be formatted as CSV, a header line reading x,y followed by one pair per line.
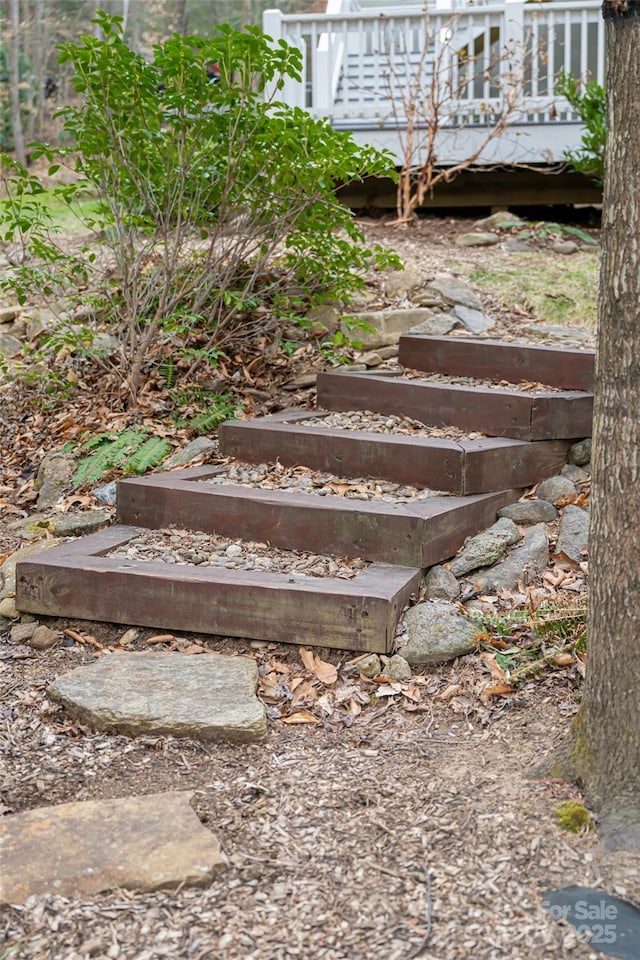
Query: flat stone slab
x,y
207,697
136,843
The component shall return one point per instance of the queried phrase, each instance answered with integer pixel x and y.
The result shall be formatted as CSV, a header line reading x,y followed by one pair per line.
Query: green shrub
x,y
218,200
589,101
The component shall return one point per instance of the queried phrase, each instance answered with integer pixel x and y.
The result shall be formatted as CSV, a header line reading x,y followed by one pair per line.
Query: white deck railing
x,y
359,63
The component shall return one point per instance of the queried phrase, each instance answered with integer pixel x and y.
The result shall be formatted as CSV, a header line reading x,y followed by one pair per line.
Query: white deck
x,y
472,57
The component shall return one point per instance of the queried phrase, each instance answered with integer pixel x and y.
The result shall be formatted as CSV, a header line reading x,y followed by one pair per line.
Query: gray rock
x,y
397,668
437,633
553,331
42,318
372,358
206,697
580,452
475,321
575,474
323,319
306,380
55,477
428,298
477,239
486,547
370,666
555,489
388,325
192,450
79,849
455,291
402,283
438,325
9,314
529,511
516,245
76,524
500,220
565,247
573,535
22,632
107,493
9,346
8,568
43,638
523,563
105,344
440,584
8,609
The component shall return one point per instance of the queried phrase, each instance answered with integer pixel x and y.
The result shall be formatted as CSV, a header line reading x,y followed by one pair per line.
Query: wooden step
x,y
495,411
460,467
418,534
495,360
76,579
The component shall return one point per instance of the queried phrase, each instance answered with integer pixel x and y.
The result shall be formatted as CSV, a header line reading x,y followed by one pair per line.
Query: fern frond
x,y
152,451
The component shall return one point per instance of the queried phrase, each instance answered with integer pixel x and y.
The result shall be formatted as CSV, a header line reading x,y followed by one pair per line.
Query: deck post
x,y
292,93
514,43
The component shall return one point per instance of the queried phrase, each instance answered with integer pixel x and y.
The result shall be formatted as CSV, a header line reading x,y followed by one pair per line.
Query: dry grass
x,y
555,288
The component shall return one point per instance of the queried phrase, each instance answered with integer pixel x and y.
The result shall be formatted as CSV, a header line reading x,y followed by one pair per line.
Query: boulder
x,y
206,697
556,489
55,477
437,632
573,535
440,584
454,291
477,239
580,452
529,511
196,448
486,547
79,849
523,563
475,321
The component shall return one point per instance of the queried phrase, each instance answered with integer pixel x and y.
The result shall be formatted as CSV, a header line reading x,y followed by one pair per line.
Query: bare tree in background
x,y
447,88
14,82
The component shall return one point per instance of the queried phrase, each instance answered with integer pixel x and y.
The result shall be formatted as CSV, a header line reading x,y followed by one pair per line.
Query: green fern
x,y
134,451
152,451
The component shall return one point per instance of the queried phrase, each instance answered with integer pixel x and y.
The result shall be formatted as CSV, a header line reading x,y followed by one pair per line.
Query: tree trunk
x,y
606,752
182,18
14,82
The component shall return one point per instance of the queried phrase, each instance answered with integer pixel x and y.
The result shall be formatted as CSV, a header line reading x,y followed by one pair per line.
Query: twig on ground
x,y
423,943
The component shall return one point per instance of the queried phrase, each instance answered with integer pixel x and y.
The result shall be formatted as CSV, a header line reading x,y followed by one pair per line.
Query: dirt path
x,y
403,830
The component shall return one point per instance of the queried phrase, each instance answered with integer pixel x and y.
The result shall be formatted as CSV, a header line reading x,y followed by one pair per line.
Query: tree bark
x,y
14,82
606,751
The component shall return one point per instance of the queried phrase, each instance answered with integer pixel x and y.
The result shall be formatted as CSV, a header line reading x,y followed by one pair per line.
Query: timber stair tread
x,y
419,532
78,580
476,475
461,467
495,410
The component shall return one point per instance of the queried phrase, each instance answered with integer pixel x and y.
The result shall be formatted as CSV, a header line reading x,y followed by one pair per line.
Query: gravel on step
x,y
193,548
522,386
389,424
274,476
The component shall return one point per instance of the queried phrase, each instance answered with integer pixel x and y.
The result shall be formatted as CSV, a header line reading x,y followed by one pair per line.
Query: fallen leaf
x,y
302,716
563,659
564,562
307,658
449,692
493,667
324,671
497,690
388,690
161,638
